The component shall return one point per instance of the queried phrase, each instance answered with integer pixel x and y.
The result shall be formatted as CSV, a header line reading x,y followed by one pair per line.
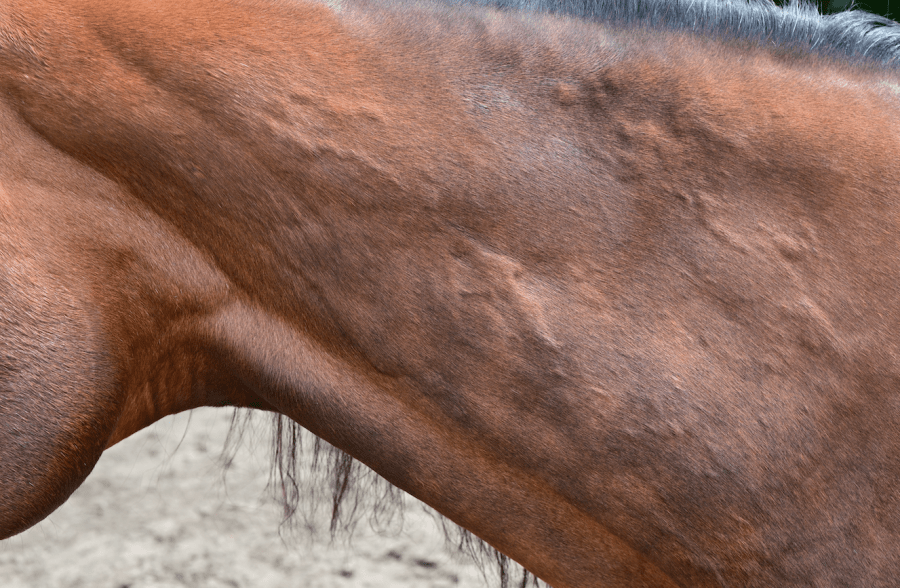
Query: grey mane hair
x,y
307,472
304,468
850,34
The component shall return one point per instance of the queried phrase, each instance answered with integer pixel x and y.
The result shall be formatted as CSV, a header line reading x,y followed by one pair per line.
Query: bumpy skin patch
x,y
620,302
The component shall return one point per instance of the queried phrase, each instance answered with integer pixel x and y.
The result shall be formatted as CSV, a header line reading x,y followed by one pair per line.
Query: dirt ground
x,y
156,513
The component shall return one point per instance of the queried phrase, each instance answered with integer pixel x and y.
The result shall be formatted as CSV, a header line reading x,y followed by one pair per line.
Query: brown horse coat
x,y
622,302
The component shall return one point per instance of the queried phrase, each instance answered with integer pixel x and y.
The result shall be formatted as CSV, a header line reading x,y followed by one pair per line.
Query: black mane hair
x,y
304,467
852,33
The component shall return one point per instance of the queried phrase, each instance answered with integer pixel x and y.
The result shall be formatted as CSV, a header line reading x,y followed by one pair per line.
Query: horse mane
x,y
850,34
306,472
304,467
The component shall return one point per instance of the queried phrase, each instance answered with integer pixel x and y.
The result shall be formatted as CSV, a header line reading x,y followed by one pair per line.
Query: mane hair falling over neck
x,y
612,286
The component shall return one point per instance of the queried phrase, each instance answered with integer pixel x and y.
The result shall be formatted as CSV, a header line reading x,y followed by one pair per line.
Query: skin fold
x,y
624,303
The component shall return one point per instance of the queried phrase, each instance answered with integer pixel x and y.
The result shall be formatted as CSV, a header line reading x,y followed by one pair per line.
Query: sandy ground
x,y
157,513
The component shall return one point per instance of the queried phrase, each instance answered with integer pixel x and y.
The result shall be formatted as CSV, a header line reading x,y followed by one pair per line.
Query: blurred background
x,y
161,510
832,6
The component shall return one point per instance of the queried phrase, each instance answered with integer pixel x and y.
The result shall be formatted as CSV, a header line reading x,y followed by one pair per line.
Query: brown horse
x,y
621,296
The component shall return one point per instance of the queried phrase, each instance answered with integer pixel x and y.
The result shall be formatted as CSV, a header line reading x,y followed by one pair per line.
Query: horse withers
x,y
616,292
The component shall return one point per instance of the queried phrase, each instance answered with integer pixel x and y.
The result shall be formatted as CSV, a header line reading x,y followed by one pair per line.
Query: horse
x,y
611,285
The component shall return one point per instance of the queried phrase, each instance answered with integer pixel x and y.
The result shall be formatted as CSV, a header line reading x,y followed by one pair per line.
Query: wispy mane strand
x,y
852,33
353,489
306,472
